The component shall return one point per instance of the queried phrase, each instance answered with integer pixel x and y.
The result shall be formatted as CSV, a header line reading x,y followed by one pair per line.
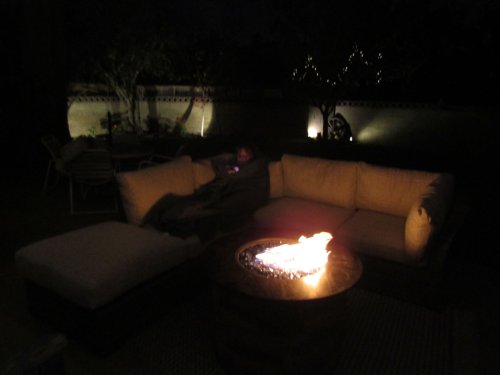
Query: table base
x,y
259,336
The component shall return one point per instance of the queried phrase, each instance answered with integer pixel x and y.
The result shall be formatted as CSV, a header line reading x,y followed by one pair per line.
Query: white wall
x,y
417,126
85,115
414,126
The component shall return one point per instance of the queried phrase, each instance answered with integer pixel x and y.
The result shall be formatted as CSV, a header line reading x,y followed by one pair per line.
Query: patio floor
x,y
28,216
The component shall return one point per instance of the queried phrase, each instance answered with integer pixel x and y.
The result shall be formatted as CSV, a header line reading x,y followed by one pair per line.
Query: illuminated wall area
x,y
87,115
397,125
314,123
420,126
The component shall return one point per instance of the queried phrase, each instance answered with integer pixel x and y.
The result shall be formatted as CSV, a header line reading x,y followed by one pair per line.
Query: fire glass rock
x,y
248,259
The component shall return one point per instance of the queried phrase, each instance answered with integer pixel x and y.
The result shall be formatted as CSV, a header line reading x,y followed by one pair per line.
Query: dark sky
x,y
449,45
442,50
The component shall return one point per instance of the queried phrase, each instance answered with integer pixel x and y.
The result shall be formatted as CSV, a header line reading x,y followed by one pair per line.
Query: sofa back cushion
x,y
390,190
319,180
427,215
276,179
303,217
141,189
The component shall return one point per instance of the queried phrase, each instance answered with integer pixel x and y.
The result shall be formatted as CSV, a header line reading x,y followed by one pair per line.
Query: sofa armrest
x,y
427,216
446,238
141,189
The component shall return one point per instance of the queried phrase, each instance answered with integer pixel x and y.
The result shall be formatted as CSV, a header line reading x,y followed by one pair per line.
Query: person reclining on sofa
x,y
241,185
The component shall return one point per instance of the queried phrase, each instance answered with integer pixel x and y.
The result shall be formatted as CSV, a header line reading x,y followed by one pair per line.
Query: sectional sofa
x,y
401,222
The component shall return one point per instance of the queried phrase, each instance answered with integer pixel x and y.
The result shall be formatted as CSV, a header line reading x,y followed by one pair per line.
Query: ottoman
x,y
103,282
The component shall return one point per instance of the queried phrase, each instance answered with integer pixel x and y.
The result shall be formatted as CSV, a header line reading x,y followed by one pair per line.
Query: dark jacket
x,y
244,189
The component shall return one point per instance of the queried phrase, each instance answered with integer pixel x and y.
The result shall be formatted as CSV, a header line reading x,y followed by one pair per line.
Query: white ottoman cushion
x,y
96,264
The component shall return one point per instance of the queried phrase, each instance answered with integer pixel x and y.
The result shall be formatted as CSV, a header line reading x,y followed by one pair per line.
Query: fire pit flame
x,y
307,257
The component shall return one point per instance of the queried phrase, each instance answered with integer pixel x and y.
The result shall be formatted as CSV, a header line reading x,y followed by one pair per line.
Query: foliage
x,y
124,63
198,56
340,129
118,45
160,126
92,132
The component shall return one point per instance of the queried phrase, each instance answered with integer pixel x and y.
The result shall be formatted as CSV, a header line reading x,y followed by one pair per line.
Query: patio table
x,y
128,155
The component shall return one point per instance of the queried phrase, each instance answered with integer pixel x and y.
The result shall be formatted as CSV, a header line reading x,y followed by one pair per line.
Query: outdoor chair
x,y
92,170
56,163
89,169
156,158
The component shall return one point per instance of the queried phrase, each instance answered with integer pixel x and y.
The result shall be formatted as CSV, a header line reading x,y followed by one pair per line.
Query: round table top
x,y
343,270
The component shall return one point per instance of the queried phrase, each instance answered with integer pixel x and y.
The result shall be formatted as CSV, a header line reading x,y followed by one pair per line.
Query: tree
x,y
119,46
338,77
330,53
124,62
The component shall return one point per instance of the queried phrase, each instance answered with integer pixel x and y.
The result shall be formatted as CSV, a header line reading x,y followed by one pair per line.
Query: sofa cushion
x,y
96,264
276,179
390,190
427,216
141,189
301,215
375,234
325,181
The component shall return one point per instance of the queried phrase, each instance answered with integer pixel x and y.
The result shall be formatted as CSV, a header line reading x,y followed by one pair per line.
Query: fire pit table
x,y
272,320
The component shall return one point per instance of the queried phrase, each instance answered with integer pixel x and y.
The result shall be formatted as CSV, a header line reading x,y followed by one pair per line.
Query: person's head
x,y
244,153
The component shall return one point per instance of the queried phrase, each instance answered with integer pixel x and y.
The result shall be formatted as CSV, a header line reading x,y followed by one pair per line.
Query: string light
x,y
311,70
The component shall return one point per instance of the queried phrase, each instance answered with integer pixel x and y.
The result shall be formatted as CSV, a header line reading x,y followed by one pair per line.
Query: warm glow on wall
x,y
312,131
314,123
370,134
200,118
206,118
